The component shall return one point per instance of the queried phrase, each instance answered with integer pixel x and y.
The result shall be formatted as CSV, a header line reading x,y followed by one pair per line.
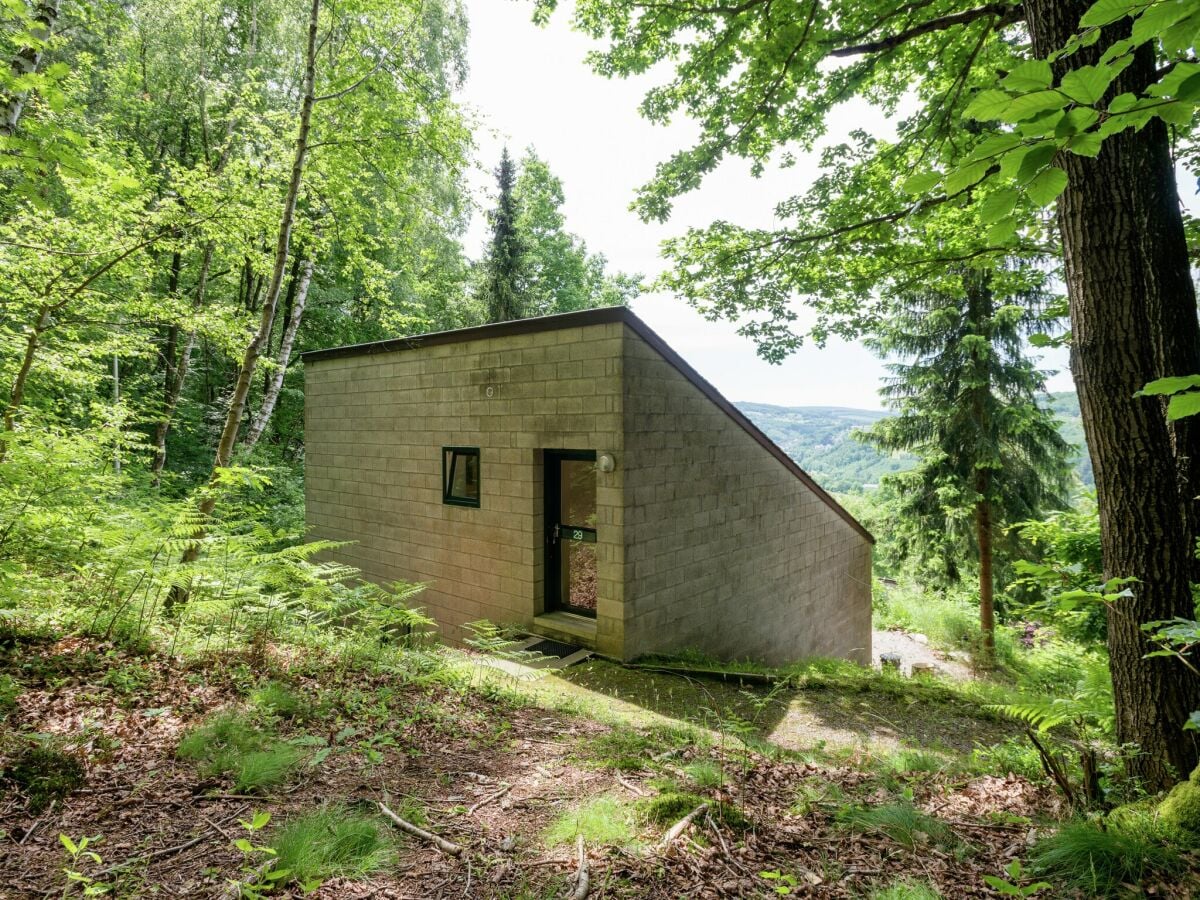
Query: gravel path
x,y
912,650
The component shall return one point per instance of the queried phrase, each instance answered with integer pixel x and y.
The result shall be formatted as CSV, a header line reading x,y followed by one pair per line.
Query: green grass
x,y
1086,857
227,745
224,732
332,841
705,774
670,806
625,749
906,890
604,820
900,821
273,698
262,769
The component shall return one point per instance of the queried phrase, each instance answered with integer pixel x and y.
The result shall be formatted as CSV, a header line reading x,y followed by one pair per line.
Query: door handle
x,y
554,534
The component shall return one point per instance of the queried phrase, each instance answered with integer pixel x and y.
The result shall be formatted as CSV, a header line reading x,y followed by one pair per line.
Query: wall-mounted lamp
x,y
605,462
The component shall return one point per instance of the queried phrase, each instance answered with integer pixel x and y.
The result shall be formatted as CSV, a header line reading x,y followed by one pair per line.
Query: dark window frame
x,y
450,459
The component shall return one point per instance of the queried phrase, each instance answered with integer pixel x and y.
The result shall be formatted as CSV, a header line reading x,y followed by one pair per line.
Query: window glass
x,y
460,476
578,491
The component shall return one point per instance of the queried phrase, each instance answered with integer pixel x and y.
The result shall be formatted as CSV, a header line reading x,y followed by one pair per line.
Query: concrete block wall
x,y
726,550
375,426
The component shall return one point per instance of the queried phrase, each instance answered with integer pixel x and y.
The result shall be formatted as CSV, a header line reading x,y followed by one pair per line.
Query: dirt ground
x,y
489,774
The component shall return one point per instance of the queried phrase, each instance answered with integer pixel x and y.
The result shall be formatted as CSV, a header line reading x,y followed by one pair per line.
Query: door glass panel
x,y
578,492
579,575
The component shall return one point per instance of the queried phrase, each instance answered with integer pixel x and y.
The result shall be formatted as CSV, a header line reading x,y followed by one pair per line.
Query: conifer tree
x,y
505,264
968,405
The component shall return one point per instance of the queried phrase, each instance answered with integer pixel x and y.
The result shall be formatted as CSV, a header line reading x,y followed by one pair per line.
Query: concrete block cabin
x,y
573,475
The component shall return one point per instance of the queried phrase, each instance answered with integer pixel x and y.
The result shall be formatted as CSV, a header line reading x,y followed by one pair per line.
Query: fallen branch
x,y
404,825
495,795
679,827
581,874
630,786
36,822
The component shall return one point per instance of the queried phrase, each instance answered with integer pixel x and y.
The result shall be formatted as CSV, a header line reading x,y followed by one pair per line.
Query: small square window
x,y
460,476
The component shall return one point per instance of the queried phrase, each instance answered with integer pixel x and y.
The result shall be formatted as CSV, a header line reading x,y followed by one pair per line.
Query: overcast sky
x,y
530,87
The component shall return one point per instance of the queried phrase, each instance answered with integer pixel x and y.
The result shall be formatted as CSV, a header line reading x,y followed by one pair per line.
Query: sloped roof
x,y
602,316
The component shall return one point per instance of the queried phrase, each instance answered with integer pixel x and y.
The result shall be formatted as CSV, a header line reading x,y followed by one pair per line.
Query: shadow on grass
x,y
823,704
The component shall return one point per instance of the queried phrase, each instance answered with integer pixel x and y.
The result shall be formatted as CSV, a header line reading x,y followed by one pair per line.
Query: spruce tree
x,y
968,404
504,267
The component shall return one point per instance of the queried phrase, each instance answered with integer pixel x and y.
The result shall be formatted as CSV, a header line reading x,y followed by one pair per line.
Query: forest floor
x,y
817,791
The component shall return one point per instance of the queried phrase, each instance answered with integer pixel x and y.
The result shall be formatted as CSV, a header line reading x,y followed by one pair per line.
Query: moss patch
x,y
1180,810
44,774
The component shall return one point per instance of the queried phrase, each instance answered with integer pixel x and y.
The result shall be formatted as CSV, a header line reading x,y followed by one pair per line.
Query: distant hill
x,y
819,439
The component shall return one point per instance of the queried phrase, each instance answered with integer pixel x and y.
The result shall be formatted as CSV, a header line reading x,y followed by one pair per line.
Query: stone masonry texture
x,y
704,539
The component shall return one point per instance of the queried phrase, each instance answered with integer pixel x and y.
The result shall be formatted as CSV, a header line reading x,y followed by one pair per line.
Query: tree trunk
x,y
26,63
16,395
983,533
174,387
1133,318
275,382
237,402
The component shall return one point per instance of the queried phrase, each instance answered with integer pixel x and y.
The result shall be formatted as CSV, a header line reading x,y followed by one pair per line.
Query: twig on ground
x,y
581,874
404,825
679,827
36,822
725,847
495,795
630,786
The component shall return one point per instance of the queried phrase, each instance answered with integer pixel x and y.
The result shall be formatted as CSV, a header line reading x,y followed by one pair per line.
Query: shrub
x,y
1087,857
331,841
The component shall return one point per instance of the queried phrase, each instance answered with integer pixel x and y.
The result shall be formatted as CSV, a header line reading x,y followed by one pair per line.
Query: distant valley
x,y
819,439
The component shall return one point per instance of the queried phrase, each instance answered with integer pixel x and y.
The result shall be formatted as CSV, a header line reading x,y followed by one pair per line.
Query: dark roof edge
x,y
646,333
603,316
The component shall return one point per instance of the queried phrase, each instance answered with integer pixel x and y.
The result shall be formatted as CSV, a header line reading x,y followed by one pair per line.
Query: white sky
x,y
530,86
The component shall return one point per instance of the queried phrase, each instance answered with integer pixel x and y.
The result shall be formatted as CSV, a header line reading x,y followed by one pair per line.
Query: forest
x,y
197,698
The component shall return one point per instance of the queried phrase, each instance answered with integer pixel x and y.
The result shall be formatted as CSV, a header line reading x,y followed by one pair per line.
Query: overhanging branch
x,y
1005,13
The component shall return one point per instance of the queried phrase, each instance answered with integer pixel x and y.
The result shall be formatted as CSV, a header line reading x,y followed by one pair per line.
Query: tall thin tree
x,y
968,404
504,267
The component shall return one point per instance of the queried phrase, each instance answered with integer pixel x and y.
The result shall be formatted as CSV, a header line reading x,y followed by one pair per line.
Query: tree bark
x,y
26,62
275,382
1133,318
174,386
987,607
237,402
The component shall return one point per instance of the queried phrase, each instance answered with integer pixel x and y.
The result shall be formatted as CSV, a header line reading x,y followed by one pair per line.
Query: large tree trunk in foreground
x,y
26,62
1133,318
275,382
241,390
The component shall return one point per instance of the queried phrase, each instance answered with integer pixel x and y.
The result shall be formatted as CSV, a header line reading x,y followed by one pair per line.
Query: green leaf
x,y
244,845
1038,157
1085,144
1171,385
921,182
1031,75
1081,118
71,846
1046,186
1029,105
1087,84
987,105
261,818
965,176
1190,88
1105,12
1179,114
997,205
1003,232
1183,405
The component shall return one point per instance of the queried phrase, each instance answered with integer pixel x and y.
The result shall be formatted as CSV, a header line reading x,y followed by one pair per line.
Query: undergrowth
x,y
332,841
1087,856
